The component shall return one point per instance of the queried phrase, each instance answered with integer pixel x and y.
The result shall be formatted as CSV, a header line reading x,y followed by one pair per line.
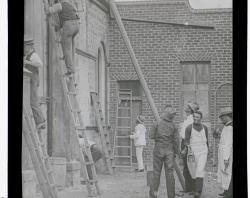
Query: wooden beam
x,y
168,22
85,54
141,77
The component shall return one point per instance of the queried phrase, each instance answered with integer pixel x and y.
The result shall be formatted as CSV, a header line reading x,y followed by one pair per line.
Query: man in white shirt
x,y
139,141
32,63
225,152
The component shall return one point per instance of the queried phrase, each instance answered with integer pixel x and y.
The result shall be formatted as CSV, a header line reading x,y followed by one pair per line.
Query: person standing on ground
x,y
196,138
225,152
166,138
69,25
190,108
139,141
32,63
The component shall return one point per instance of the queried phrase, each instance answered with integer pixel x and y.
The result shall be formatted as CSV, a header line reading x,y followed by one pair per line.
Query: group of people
x,y
194,149
194,134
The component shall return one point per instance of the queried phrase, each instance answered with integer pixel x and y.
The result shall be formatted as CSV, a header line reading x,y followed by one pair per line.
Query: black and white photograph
x,y
127,99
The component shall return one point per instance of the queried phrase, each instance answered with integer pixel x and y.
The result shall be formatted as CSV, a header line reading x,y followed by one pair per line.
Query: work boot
x,y
152,194
222,194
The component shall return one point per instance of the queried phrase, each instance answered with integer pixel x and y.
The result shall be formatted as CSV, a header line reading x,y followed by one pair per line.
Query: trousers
x,y
163,155
189,182
69,31
139,150
37,113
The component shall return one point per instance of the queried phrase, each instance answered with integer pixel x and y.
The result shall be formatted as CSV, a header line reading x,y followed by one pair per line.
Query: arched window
x,y
102,80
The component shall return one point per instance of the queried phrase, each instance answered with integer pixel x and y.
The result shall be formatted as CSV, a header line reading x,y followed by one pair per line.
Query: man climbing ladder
x,y
69,27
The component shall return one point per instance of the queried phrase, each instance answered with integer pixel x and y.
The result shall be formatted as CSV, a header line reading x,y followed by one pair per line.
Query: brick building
x,y
184,54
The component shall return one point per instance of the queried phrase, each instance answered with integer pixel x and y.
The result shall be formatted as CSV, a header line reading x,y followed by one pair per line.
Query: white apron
x,y
225,152
198,145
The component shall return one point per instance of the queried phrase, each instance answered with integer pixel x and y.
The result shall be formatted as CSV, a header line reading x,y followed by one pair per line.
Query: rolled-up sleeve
x,y
176,140
153,130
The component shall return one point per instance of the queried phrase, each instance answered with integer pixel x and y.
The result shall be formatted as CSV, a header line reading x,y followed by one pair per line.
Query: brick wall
x,y
158,48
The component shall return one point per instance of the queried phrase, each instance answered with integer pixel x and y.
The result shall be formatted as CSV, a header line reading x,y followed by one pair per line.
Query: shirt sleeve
x,y
188,134
36,59
228,137
137,132
206,133
176,141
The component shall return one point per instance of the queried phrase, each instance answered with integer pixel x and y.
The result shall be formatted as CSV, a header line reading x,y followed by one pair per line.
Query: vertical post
x,y
141,77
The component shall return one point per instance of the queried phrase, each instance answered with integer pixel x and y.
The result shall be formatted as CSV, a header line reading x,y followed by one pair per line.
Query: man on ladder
x,y
32,63
69,26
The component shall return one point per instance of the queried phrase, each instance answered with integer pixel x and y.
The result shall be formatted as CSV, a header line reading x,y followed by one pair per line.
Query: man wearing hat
x,y
225,152
69,24
166,138
189,109
32,63
140,141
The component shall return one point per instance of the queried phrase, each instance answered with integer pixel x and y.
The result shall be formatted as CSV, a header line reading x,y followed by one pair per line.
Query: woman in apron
x,y
196,139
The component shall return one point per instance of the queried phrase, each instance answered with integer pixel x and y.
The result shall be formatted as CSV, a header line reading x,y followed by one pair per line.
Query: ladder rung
x,y
123,127
122,136
124,108
124,117
120,166
80,128
123,156
76,110
72,93
122,146
93,181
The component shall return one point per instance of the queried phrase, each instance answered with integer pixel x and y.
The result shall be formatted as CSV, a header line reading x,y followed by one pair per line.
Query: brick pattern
x,y
160,48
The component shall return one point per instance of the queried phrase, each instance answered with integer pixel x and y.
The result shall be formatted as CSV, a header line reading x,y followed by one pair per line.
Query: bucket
x,y
58,165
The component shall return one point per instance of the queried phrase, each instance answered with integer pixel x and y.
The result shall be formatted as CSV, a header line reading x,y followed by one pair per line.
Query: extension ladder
x,y
122,151
70,94
39,156
104,134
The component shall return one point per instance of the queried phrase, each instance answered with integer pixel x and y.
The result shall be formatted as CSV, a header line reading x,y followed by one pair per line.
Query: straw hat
x,y
140,119
192,106
225,111
28,40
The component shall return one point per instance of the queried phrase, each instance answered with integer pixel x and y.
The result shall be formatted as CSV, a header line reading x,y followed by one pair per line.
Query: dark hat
x,y
28,41
225,111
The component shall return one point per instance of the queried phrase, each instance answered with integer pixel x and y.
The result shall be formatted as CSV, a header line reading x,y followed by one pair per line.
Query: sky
x,y
204,4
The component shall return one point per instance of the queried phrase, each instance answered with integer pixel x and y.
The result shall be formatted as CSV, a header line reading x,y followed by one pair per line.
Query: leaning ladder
x,y
102,131
70,93
122,151
39,156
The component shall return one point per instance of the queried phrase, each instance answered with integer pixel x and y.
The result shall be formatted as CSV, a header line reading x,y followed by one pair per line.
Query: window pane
x,y
202,72
202,100
188,74
134,85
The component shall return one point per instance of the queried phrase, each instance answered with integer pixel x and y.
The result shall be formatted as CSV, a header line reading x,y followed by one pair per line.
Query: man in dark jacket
x,y
69,23
166,138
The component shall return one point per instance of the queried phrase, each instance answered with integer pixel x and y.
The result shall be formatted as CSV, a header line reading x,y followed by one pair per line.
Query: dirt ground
x,y
134,185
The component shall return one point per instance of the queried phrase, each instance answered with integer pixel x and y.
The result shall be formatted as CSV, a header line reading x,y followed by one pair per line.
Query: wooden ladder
x,y
103,131
39,156
70,94
122,151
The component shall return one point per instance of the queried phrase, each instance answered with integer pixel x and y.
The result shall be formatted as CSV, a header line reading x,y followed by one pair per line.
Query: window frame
x,y
208,63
